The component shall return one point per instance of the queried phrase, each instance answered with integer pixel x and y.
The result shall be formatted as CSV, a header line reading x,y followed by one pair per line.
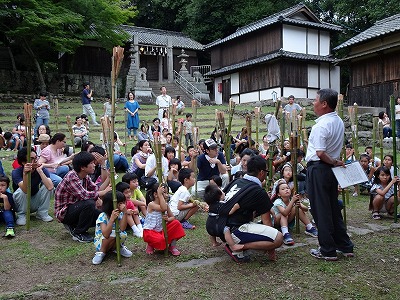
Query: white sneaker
x,y
44,218
355,195
125,252
98,258
21,220
137,232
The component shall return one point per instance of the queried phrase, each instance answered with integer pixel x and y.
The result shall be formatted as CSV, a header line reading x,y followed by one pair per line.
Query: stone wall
x,y
24,82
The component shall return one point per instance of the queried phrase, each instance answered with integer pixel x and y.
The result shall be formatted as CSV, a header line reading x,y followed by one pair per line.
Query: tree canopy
x,y
62,26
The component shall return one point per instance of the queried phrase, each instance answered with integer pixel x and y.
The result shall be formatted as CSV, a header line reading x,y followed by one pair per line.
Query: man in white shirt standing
x,y
163,102
323,153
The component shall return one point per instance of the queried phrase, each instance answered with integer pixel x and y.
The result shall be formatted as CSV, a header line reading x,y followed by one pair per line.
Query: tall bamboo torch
x,y
393,116
71,134
374,128
294,143
380,133
303,130
158,155
257,119
195,131
28,120
180,126
248,127
56,111
116,62
228,140
173,117
343,154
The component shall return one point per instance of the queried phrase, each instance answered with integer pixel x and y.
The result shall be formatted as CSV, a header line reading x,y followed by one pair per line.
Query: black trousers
x,y
82,215
322,189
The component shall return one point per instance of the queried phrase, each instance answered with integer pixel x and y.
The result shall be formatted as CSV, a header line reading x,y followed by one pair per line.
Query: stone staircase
x,y
173,90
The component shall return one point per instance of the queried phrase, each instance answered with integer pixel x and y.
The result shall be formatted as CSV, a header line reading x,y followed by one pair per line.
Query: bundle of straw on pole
x,y
248,127
343,153
28,124
173,117
278,107
294,146
303,130
56,112
393,118
374,128
353,119
257,119
195,131
158,155
221,126
228,140
194,112
380,134
71,134
116,63
180,126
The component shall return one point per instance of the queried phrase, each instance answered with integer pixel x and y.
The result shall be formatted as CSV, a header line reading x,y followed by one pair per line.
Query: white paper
x,y
352,174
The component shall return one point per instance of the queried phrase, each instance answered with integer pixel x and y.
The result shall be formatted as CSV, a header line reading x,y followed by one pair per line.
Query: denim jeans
x,y
8,217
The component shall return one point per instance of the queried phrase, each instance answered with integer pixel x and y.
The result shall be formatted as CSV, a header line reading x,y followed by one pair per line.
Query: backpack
x,y
216,222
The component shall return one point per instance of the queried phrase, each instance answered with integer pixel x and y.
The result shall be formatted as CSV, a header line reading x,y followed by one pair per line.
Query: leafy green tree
x,y
353,16
62,25
208,20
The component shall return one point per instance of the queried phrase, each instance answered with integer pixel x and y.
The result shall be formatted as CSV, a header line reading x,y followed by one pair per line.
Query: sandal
x,y
376,216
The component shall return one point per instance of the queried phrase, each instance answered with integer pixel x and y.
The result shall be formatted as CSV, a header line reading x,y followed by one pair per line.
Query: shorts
x,y
182,214
252,232
130,205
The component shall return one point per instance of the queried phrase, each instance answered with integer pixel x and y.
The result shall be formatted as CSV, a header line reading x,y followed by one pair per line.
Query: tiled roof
x,y
150,36
262,59
382,27
284,16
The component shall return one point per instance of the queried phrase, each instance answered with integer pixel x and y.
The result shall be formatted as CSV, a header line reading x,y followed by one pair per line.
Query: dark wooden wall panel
x,y
250,46
259,77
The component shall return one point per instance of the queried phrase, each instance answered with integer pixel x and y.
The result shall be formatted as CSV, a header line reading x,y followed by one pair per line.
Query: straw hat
x,y
43,138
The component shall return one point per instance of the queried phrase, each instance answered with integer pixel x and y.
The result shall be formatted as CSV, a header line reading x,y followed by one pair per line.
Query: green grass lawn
x,y
44,262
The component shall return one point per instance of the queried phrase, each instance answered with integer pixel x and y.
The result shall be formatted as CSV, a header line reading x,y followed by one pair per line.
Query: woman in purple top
x,y
138,162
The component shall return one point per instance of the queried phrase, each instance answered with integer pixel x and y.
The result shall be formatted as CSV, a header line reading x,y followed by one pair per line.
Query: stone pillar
x,y
170,61
134,66
160,68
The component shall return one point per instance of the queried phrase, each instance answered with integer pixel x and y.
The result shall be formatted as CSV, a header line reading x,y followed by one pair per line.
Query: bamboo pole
x,y
345,202
380,133
56,112
116,62
195,131
180,121
228,140
28,124
343,154
158,155
294,146
173,118
71,134
374,127
257,121
248,128
393,118
126,131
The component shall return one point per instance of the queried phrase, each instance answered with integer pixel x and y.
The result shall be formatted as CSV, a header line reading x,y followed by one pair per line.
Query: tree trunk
x,y
29,50
12,59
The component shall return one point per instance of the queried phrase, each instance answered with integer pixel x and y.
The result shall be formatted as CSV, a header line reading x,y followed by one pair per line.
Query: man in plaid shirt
x,y
77,198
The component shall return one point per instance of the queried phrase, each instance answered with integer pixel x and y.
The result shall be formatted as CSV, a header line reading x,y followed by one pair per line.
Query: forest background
x,y
43,29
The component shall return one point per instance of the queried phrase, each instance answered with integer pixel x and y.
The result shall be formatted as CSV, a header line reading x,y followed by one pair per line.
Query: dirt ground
x,y
45,263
